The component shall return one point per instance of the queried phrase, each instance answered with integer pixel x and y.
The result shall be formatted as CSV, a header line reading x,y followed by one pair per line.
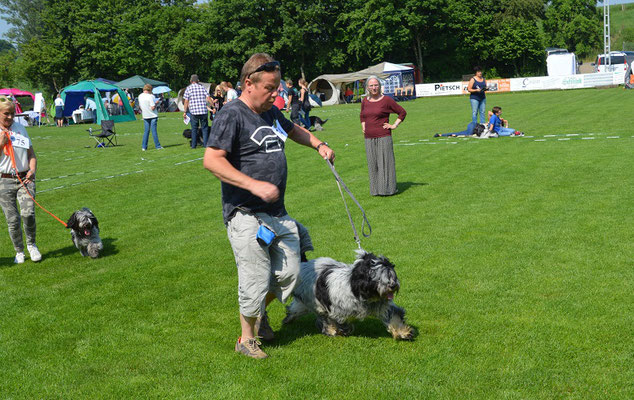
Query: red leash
x,y
8,150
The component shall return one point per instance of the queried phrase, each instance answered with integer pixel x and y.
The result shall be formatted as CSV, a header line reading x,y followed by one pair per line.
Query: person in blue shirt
x,y
496,125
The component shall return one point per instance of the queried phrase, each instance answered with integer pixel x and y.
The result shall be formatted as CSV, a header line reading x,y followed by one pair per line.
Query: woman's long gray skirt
x,y
381,166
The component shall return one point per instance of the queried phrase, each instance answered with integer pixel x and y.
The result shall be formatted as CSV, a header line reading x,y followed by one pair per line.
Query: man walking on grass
x,y
195,102
246,152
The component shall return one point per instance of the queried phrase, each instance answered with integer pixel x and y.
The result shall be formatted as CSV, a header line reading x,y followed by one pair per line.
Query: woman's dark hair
x,y
477,68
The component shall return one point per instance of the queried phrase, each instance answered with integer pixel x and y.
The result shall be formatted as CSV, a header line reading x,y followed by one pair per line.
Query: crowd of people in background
x,y
203,102
293,99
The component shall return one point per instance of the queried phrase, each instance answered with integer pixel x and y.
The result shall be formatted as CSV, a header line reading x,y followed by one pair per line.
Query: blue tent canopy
x,y
74,96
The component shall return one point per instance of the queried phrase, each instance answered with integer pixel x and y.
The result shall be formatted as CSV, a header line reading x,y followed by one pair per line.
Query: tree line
x,y
58,42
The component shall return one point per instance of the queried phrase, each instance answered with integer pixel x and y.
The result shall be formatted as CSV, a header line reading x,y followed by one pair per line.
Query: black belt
x,y
14,176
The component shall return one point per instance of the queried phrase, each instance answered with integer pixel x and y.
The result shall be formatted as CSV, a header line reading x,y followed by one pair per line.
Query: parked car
x,y
618,62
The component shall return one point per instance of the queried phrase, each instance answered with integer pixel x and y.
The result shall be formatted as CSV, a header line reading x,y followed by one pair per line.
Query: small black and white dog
x,y
337,292
317,123
84,230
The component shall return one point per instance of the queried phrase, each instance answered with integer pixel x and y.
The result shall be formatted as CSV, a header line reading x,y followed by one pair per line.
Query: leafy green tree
x,y
233,30
25,16
519,43
5,46
305,38
112,39
424,21
501,35
518,47
8,68
181,39
373,29
474,24
574,24
61,41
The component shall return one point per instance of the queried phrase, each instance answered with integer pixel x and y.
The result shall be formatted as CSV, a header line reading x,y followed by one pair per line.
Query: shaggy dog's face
x,y
82,222
374,277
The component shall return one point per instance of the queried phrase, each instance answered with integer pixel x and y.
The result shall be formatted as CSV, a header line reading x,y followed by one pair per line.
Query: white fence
x,y
520,84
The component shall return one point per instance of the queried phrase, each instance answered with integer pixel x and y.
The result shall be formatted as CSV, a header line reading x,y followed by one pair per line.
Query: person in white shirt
x,y
147,104
90,104
59,111
231,92
17,180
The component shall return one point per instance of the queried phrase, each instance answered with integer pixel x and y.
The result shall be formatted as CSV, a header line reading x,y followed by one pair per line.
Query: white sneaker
x,y
19,258
34,252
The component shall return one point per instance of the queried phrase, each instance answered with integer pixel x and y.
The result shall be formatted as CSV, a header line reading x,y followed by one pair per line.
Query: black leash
x,y
365,221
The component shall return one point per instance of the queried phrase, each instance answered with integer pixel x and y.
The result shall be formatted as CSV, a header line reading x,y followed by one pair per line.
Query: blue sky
x,y
4,27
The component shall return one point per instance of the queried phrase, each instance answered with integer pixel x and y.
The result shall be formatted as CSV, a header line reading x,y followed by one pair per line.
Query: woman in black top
x,y
218,100
477,86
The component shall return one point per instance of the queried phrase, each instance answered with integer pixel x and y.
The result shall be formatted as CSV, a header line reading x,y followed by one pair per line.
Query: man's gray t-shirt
x,y
255,147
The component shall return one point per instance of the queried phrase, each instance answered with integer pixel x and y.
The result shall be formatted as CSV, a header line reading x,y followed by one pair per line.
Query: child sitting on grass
x,y
496,124
505,122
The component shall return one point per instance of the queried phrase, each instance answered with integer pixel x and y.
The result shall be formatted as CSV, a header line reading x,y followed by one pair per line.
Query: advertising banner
x,y
438,89
522,84
571,82
519,84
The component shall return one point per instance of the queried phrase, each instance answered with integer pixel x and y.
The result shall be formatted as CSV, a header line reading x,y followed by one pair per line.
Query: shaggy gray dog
x,y
338,292
84,230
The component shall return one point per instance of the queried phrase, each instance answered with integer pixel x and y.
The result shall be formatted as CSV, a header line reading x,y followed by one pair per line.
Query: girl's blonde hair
x,y
7,104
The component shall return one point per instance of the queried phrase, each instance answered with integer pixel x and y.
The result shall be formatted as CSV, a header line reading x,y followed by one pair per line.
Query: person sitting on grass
x,y
467,132
495,124
505,122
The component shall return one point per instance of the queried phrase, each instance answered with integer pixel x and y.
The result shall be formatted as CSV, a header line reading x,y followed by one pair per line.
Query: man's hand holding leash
x,y
326,152
303,136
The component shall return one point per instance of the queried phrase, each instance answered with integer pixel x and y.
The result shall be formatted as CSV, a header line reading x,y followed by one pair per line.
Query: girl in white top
x,y
231,92
11,190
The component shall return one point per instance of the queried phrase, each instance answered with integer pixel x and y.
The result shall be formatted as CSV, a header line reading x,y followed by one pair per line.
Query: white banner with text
x,y
522,84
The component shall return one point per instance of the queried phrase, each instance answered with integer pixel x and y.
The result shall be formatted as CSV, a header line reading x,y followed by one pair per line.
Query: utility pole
x,y
606,34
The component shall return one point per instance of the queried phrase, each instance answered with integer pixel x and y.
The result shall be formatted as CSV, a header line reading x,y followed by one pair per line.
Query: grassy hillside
x,y
622,26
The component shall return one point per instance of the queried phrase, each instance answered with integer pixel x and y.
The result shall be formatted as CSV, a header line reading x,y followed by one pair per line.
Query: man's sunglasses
x,y
268,67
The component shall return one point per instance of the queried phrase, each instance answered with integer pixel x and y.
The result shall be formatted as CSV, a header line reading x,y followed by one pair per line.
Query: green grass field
x,y
514,255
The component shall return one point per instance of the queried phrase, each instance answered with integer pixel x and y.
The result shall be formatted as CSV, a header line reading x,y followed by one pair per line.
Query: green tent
x,y
138,81
73,97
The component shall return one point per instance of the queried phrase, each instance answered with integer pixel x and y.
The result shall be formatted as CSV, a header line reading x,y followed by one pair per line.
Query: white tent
x,y
329,85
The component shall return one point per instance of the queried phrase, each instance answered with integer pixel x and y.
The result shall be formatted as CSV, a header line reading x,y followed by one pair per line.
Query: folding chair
x,y
104,136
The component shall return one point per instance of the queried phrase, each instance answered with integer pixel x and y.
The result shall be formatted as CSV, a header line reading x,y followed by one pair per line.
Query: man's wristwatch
x,y
321,144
